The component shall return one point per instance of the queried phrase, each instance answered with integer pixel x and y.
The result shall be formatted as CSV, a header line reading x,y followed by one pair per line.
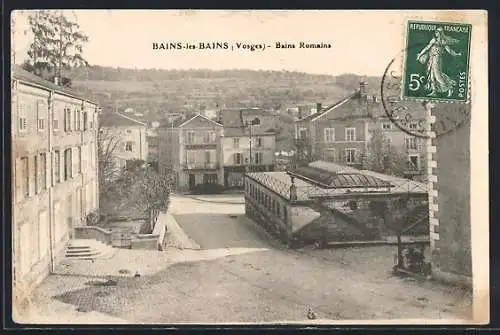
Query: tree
x,y
383,157
151,191
57,42
108,140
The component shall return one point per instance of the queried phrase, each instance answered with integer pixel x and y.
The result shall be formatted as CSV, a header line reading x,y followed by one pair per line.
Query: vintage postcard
x,y
250,167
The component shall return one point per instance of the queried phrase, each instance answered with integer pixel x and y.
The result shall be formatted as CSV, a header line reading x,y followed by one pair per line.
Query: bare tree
x,y
109,139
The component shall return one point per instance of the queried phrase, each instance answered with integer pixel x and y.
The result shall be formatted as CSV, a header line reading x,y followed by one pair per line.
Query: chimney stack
x,y
318,107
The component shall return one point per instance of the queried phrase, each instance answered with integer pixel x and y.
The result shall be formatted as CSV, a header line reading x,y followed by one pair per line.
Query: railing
x,y
194,166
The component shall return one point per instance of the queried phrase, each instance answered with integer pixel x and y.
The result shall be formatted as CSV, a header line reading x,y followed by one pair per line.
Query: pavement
x,y
240,275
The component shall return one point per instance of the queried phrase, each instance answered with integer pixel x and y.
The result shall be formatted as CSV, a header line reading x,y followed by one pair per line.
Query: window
x,y
258,158
55,120
190,156
213,137
41,113
302,133
386,125
350,156
67,120
128,146
350,134
236,143
79,159
67,164
411,143
57,167
79,120
190,138
23,120
238,158
85,121
36,173
208,157
75,119
25,177
43,171
258,142
329,135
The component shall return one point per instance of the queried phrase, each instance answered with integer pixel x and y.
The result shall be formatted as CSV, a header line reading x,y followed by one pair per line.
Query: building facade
x,y
192,150
126,137
54,171
249,143
343,131
449,199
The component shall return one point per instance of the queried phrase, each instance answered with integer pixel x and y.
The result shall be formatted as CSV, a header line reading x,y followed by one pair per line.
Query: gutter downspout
x,y
52,220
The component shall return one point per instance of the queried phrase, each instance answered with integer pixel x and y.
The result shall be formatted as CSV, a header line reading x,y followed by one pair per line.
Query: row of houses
x,y
199,150
342,132
54,172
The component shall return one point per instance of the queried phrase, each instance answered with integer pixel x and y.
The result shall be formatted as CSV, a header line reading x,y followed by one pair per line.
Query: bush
x,y
207,189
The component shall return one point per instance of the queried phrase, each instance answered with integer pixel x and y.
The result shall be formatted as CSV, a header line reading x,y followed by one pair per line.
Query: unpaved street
x,y
266,282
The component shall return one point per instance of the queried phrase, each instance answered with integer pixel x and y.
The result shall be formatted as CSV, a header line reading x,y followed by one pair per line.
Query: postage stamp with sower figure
x,y
436,66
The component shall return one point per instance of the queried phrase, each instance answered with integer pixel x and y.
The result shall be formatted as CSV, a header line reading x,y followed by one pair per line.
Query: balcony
x,y
200,166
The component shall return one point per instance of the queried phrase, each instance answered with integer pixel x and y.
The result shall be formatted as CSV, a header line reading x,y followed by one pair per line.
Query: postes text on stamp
x,y
436,65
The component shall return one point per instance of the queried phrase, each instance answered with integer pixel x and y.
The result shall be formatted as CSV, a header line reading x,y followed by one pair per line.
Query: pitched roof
x,y
372,109
331,107
118,120
22,75
232,122
182,122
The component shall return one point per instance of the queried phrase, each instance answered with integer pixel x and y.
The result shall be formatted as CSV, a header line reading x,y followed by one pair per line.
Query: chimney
x,y
56,80
362,88
318,107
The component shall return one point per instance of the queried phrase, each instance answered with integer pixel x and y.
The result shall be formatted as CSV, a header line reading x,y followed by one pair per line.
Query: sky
x,y
363,42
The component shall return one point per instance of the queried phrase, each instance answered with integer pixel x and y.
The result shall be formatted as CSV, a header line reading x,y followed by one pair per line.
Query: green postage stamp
x,y
436,65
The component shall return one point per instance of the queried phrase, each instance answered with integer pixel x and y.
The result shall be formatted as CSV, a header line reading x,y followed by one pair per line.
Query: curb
x,y
176,237
215,201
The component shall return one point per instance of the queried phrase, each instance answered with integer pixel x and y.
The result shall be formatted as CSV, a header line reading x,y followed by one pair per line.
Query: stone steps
x,y
88,249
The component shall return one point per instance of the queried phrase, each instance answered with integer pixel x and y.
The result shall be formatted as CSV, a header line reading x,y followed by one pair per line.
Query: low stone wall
x,y
144,243
93,232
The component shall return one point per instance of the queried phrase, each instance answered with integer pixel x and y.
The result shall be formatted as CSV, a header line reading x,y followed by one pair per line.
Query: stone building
x,y
126,136
54,171
249,143
192,150
341,132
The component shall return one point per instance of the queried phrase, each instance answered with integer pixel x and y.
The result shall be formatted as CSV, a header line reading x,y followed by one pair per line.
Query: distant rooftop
x,y
118,120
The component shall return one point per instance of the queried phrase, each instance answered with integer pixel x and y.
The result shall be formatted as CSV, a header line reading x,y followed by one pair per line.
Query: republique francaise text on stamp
x,y
436,66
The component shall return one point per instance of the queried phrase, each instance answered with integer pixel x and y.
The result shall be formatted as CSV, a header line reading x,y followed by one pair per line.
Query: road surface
x,y
268,283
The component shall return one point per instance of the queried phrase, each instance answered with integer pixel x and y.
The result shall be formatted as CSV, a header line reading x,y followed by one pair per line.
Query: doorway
x,y
192,181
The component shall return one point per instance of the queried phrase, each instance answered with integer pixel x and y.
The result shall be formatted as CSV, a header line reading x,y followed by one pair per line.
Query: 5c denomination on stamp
x,y
436,65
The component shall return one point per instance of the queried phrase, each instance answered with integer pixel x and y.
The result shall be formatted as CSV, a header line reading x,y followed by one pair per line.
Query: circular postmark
x,y
410,115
